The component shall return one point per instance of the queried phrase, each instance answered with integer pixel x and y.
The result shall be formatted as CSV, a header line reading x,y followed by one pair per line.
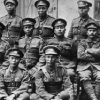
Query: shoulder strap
x,y
45,72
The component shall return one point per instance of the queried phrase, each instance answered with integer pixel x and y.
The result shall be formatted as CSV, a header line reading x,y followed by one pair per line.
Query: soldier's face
x,y
10,7
59,30
42,10
50,59
30,62
92,33
13,60
83,11
28,29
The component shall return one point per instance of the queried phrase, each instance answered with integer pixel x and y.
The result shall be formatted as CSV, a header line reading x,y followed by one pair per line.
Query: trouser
x,y
23,96
86,77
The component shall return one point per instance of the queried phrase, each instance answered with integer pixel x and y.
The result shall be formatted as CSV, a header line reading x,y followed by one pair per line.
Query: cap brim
x,y
59,19
47,2
51,46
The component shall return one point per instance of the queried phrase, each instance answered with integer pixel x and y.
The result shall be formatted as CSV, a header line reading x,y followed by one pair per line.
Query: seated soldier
x,y
89,63
14,80
30,66
52,81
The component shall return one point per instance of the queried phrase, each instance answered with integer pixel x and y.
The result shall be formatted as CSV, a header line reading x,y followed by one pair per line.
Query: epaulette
x,y
83,41
78,18
36,17
5,64
19,16
3,16
51,17
21,66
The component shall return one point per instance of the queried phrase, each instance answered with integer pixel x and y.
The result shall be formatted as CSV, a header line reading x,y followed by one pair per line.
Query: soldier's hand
x,y
11,97
57,98
87,50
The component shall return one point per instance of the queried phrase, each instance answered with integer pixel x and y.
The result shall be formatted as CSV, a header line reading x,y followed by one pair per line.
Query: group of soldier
x,y
37,61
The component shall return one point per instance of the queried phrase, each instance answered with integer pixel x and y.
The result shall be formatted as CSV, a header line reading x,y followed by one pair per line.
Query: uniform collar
x,y
41,20
85,18
12,71
27,37
60,39
50,69
93,41
11,16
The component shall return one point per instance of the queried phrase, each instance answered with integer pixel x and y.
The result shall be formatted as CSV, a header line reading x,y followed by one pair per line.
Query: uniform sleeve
x,y
24,84
95,52
2,87
40,88
67,86
82,55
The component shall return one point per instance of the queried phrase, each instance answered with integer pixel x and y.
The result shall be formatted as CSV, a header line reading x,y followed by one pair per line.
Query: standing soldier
x,y
52,81
14,80
11,21
89,63
77,30
4,45
27,27
43,20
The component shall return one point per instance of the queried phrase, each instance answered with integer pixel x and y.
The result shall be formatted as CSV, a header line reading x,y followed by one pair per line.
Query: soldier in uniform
x,y
29,44
27,27
89,64
4,45
43,20
14,80
52,81
77,29
11,21
30,66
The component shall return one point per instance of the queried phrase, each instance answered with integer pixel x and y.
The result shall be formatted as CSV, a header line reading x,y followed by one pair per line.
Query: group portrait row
x,y
37,61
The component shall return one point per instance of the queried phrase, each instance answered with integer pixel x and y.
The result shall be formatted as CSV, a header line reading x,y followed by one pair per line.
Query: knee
x,y
65,97
33,96
71,72
85,75
24,96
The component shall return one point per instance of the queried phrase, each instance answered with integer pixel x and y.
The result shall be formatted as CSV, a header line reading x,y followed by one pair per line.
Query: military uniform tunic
x,y
39,26
56,82
13,26
16,82
24,43
78,30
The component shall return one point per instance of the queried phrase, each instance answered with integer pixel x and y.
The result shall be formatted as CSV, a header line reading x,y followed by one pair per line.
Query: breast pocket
x,y
75,29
